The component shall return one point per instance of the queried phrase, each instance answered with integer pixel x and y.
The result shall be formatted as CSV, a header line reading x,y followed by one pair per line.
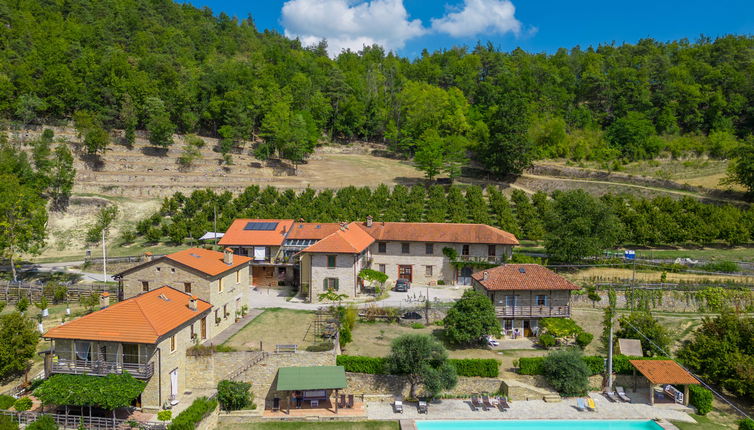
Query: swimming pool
x,y
537,425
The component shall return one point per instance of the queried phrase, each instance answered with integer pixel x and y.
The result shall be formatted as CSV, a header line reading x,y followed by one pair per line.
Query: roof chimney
x,y
228,256
192,303
147,256
369,220
104,300
485,275
343,226
283,231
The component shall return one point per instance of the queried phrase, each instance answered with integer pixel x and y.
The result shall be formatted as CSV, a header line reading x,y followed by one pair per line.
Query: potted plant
x,y
40,326
43,306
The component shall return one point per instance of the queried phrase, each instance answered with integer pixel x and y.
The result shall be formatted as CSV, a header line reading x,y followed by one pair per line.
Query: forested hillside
x,y
169,67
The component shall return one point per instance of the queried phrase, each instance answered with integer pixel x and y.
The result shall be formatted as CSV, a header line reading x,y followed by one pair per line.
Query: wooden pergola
x,y
314,383
664,372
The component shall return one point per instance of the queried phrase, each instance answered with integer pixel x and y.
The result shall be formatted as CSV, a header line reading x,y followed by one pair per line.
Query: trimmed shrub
x,y
23,404
700,398
233,395
560,327
45,422
191,416
567,372
359,364
481,367
417,325
6,401
164,415
583,339
746,424
596,364
530,365
547,340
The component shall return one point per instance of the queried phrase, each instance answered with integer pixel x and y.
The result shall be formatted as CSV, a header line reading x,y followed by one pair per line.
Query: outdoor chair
x,y
590,404
502,404
610,395
475,403
422,408
486,401
622,394
349,405
398,406
580,404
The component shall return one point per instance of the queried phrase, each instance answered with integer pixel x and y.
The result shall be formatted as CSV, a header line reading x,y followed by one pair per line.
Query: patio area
x,y
536,409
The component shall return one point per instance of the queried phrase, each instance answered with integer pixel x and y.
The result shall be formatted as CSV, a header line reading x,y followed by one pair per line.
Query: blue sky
x,y
408,26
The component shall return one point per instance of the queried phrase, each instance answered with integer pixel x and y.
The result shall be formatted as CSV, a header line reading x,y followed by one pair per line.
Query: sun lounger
x,y
486,401
475,403
622,395
398,405
590,404
610,395
502,404
494,402
580,404
422,408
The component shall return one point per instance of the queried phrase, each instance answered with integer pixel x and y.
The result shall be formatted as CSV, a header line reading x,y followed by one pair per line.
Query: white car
x,y
491,341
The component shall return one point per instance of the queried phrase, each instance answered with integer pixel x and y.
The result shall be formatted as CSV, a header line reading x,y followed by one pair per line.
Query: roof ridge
x,y
146,318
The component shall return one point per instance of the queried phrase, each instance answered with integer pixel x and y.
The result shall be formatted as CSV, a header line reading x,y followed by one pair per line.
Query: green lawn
x,y
706,423
276,326
332,425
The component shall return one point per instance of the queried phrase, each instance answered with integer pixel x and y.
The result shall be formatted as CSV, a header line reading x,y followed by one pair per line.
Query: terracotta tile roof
x,y
350,240
141,319
439,232
237,234
312,230
664,372
206,261
522,277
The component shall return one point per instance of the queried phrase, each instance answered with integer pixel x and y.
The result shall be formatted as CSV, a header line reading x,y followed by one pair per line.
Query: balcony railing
x,y
532,311
102,368
489,259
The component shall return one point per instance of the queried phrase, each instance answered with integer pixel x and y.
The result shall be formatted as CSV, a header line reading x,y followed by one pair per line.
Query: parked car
x,y
491,341
402,285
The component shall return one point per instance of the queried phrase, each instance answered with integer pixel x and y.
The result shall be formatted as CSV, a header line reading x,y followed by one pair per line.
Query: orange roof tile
x,y
206,261
237,235
141,319
439,232
664,372
522,277
349,240
312,230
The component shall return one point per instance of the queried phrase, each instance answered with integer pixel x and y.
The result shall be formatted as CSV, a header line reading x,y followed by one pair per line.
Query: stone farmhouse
x,y
146,336
219,278
524,293
321,256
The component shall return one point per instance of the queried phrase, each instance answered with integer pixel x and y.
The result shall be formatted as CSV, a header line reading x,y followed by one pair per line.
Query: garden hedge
x,y
474,367
746,424
700,398
481,367
6,401
194,414
596,364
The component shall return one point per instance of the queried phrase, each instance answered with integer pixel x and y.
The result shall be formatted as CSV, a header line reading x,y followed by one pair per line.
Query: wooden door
x,y
527,328
203,328
405,272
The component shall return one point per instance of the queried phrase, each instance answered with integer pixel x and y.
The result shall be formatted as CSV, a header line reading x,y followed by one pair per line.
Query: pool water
x,y
537,425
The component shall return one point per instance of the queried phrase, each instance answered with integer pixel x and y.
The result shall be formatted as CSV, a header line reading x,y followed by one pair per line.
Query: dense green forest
x,y
168,67
573,224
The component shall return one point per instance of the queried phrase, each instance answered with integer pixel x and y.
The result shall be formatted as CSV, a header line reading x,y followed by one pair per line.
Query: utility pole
x,y
104,257
214,227
610,356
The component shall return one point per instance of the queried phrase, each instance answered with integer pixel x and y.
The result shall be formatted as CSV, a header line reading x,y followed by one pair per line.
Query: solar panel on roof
x,y
261,226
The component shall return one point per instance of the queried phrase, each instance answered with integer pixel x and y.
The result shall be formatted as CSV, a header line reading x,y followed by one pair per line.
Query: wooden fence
x,y
11,292
76,421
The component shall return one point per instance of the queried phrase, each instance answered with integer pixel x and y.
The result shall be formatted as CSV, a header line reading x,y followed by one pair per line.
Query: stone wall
x,y
362,383
204,372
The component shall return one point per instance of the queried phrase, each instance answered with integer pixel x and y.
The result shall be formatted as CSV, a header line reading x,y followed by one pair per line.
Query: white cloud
x,y
350,25
479,16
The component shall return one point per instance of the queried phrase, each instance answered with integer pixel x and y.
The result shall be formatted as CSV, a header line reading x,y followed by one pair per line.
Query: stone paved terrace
x,y
533,409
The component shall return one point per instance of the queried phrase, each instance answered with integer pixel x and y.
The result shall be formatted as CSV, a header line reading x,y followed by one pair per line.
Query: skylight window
x,y
261,226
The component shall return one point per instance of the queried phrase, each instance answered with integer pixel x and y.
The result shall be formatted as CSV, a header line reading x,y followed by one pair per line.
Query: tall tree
x,y
423,361
18,343
23,220
62,175
159,126
470,319
507,151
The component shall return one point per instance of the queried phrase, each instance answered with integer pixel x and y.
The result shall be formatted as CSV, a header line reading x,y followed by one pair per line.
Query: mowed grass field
x,y
609,273
276,327
342,425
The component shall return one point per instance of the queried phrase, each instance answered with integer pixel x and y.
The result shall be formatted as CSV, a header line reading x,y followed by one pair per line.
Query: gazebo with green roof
x,y
313,382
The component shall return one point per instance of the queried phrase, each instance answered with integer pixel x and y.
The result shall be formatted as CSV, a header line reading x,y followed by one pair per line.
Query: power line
x,y
698,378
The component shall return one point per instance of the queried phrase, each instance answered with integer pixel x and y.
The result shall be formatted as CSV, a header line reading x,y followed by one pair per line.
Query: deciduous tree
x,y
423,361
